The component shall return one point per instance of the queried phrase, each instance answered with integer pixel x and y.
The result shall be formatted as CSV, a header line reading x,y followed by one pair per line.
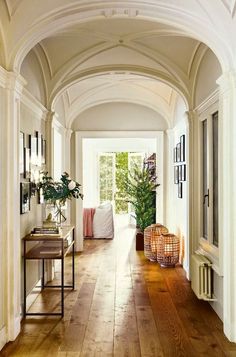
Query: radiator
x,y
201,277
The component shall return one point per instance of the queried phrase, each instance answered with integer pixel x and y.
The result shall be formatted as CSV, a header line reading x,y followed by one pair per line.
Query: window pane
x,y
215,177
205,180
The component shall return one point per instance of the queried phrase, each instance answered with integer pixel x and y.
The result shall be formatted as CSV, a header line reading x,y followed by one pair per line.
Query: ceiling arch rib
x,y
104,70
196,24
162,62
131,90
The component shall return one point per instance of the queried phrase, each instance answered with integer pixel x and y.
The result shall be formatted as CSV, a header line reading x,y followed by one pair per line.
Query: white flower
x,y
71,185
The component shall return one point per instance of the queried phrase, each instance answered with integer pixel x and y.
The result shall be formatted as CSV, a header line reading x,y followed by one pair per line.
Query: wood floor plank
x,y
123,306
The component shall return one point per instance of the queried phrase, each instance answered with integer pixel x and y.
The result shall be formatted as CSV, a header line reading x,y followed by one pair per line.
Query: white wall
x,y
177,208
205,96
2,238
91,150
32,73
208,72
29,123
119,116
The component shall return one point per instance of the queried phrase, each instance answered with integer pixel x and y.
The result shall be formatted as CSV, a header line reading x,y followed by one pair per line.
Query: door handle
x,y
206,196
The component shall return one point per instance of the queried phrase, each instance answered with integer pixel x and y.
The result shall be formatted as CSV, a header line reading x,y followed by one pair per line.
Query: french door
x,y
209,182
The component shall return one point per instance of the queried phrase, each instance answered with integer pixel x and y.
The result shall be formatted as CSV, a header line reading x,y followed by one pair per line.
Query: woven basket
x,y
168,250
151,235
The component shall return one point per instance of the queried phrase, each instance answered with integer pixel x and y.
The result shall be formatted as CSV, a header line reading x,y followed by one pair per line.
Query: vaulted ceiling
x,y
93,52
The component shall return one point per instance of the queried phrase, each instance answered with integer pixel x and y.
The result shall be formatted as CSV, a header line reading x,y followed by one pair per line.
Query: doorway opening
x,y
105,161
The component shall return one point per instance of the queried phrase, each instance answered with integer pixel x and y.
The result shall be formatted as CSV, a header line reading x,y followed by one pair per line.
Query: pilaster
x,y
191,143
227,197
11,91
49,128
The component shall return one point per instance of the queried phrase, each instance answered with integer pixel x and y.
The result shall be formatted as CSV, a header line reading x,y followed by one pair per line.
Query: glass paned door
x,y
215,178
106,177
205,180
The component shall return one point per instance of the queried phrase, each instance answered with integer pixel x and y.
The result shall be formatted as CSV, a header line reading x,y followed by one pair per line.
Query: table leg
x,y
43,274
24,307
62,280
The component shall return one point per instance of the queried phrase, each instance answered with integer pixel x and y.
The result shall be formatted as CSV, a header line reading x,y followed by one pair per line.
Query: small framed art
x,y
183,172
180,190
178,152
24,197
21,157
176,174
26,163
175,154
182,148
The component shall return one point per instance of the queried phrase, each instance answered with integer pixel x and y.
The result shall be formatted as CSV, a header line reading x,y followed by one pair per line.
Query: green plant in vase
x,y
140,188
57,192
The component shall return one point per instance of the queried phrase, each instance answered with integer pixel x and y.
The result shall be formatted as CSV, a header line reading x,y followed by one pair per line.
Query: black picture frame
x,y
178,152
176,174
43,161
180,172
182,148
27,163
33,150
180,190
183,172
21,152
24,197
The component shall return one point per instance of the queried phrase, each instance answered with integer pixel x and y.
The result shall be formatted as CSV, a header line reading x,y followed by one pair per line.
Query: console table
x,y
50,247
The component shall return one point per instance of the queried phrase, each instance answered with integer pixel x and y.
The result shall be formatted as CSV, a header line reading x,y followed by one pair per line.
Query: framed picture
x,y
182,148
26,163
24,197
21,157
33,150
178,152
176,174
183,172
180,172
43,161
180,190
39,148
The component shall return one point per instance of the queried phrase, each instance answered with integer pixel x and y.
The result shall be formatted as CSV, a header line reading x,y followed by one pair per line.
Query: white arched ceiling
x,y
113,87
207,21
119,116
75,41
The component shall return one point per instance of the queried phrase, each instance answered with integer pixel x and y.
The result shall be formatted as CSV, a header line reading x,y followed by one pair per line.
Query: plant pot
x,y
139,240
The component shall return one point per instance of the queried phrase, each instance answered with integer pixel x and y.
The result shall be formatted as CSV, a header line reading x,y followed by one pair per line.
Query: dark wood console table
x,y
50,247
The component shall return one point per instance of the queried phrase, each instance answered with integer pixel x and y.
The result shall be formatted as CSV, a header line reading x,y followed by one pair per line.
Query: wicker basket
x,y
168,250
151,235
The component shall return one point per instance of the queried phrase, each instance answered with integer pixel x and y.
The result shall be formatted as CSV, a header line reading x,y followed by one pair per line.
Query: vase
x,y
54,214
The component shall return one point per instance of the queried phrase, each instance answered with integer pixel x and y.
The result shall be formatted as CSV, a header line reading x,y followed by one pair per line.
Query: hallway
x,y
123,306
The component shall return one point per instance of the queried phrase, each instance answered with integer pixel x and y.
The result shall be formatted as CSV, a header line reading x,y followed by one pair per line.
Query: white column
x,y
79,202
169,187
11,203
68,133
227,197
49,140
67,166
192,169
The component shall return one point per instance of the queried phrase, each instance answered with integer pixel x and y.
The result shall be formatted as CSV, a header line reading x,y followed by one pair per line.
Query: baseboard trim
x,y
3,337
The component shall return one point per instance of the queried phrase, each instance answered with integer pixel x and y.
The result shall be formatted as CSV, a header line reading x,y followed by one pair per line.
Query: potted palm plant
x,y
140,188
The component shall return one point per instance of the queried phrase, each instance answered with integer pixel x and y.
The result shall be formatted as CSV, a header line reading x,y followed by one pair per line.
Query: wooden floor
x,y
123,305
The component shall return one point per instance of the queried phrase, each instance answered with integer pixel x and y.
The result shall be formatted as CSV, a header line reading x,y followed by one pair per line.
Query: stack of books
x,y
42,231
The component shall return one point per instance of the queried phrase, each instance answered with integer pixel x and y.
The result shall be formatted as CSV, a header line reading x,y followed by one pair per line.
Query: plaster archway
x,y
175,15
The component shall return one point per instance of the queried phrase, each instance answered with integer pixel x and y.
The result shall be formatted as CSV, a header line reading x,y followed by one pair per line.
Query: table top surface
x,y
65,231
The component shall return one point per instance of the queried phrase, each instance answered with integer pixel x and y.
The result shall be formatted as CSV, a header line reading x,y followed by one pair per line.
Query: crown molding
x,y
210,100
34,104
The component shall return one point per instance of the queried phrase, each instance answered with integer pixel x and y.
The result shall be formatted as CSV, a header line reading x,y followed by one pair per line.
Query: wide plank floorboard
x,y
123,306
